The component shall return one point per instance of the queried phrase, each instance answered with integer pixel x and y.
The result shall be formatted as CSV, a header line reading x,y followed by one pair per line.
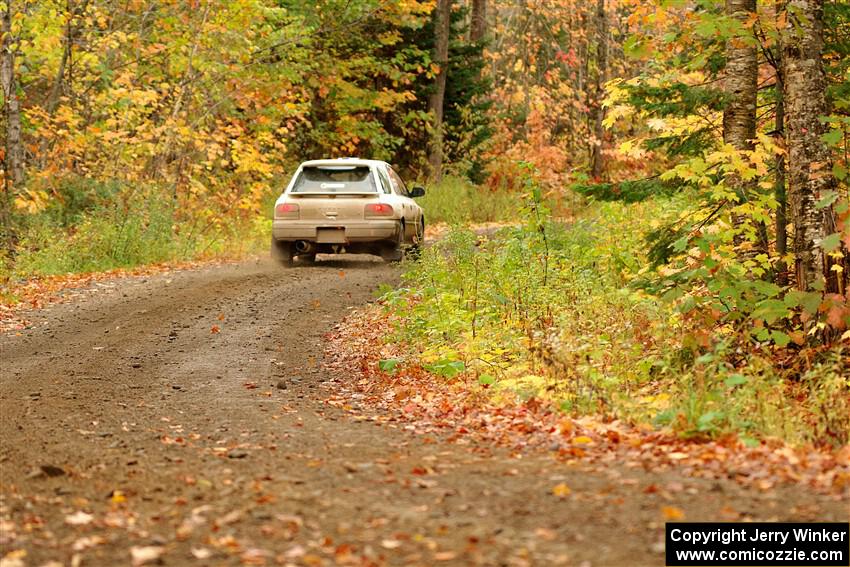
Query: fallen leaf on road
x,y
51,470
215,329
390,543
201,553
85,543
254,556
229,518
843,456
14,558
79,519
141,555
295,552
561,490
445,556
672,513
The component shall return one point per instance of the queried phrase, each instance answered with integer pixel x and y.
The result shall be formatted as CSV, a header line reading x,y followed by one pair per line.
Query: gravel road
x,y
180,420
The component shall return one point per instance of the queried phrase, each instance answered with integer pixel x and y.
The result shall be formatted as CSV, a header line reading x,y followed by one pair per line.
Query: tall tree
x,y
14,148
739,116
478,27
442,28
780,190
597,158
810,177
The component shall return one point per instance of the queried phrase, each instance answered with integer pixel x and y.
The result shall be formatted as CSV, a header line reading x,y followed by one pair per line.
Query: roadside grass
x,y
455,200
113,232
548,311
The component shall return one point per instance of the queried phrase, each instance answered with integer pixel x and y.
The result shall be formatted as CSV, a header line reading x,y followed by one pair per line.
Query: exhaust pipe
x,y
303,247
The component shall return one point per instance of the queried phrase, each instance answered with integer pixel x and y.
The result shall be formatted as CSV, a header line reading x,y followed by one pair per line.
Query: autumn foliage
x,y
682,162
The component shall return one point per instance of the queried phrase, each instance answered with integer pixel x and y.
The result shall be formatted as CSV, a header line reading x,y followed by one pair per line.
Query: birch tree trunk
x,y
14,149
780,191
442,26
739,117
597,160
810,175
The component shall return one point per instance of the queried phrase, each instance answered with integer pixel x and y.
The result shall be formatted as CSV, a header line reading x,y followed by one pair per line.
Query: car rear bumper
x,y
350,231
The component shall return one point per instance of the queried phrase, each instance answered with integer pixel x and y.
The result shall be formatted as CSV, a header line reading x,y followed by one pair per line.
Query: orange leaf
x,y
672,513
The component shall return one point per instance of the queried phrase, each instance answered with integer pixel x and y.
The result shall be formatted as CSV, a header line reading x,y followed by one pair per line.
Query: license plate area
x,y
330,235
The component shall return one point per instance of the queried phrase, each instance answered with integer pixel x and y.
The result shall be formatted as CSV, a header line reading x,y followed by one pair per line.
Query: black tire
x,y
417,241
282,253
395,252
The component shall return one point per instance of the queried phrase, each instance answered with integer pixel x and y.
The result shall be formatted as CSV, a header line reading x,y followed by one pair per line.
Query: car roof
x,y
342,161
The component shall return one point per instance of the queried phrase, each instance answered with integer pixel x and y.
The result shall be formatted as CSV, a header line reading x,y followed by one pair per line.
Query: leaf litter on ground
x,y
18,296
462,411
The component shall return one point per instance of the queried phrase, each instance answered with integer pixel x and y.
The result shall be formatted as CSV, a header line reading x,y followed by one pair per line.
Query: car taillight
x,y
378,210
286,211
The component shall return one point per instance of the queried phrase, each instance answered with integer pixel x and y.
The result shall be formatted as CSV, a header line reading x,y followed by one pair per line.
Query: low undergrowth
x,y
96,227
456,200
552,311
386,382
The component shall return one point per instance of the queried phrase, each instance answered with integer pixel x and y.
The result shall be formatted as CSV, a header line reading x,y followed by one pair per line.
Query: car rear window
x,y
335,179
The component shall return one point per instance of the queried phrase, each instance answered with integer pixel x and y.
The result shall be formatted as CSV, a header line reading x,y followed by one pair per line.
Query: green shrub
x,y
107,229
553,311
455,200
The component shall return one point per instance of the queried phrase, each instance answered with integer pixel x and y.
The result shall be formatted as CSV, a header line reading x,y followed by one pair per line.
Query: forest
x,y
671,179
627,310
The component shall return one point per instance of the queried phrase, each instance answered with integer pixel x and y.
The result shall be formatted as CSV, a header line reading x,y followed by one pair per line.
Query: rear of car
x,y
342,205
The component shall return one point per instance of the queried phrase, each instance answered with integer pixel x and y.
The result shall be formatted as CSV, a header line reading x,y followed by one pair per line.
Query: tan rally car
x,y
346,205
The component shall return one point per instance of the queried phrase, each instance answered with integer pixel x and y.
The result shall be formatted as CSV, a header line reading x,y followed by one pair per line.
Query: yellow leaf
x,y
561,490
672,513
582,440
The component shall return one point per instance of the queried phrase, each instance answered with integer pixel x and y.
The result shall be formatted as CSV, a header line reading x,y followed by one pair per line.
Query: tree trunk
x,y
810,175
56,89
14,148
739,117
597,159
442,26
73,11
478,26
779,191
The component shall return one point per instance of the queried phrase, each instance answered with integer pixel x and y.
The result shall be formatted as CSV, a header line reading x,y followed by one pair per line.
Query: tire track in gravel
x,y
217,449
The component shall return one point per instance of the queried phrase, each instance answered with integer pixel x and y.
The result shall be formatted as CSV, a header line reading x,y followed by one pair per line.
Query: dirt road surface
x,y
179,420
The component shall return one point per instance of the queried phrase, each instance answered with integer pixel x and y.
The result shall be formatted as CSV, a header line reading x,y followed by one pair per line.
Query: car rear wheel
x,y
417,240
282,252
395,252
